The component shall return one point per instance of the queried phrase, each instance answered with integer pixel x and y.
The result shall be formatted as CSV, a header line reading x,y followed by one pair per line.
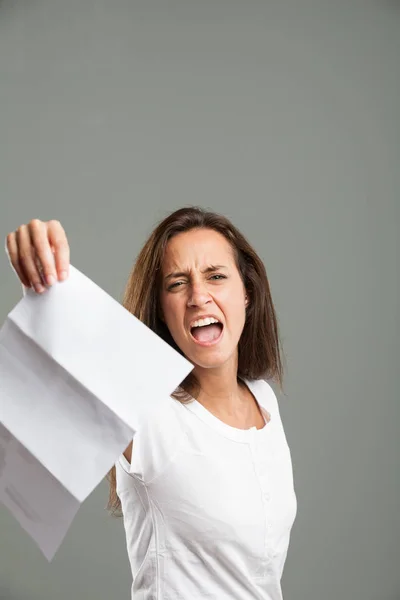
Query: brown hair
x,y
259,352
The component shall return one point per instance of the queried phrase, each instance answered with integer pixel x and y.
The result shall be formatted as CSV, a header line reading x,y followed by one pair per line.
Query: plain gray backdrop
x,y
284,116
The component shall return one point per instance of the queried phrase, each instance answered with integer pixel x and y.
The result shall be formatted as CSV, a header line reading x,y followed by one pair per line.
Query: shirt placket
x,y
262,469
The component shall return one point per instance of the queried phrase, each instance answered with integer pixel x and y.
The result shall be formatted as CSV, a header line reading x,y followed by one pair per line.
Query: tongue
x,y
208,333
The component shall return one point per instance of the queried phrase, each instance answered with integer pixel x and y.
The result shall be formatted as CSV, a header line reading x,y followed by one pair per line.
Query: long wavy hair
x,y
259,348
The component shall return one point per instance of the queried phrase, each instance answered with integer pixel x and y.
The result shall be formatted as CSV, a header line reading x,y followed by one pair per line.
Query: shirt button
x,y
267,496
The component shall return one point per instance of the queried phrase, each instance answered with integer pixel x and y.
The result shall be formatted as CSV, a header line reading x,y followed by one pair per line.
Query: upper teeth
x,y
206,321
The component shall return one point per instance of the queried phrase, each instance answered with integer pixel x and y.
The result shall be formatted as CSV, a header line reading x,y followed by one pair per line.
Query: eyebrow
x,y
209,269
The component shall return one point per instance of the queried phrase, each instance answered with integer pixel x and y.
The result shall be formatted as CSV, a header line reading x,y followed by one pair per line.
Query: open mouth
x,y
206,335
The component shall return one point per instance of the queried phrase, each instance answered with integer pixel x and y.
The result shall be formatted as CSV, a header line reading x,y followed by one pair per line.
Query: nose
x,y
199,296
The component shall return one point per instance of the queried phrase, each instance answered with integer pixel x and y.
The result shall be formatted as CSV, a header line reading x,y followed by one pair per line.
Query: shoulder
x,y
265,396
156,441
264,393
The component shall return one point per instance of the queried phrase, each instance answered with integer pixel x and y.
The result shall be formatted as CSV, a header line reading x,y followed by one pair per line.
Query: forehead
x,y
197,248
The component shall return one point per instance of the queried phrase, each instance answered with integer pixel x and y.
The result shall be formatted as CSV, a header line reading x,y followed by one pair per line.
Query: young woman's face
x,y
200,280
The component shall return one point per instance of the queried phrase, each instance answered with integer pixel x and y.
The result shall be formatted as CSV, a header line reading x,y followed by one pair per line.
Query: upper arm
x,y
155,441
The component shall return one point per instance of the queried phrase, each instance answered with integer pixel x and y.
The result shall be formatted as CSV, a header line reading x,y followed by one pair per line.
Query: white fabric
x,y
208,508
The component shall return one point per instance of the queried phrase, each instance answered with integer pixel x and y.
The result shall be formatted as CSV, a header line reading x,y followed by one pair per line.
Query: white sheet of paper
x,y
78,374
39,502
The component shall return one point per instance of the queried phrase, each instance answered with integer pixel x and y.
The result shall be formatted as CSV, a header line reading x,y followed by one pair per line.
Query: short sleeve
x,y
156,441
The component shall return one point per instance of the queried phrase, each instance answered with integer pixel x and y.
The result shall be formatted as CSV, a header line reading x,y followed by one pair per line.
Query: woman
x,y
206,486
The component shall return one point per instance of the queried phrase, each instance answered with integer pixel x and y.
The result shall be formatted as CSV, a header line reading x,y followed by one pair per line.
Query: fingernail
x,y
50,279
63,275
39,288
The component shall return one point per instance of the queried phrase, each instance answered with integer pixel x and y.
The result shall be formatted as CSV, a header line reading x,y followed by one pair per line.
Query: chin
x,y
209,359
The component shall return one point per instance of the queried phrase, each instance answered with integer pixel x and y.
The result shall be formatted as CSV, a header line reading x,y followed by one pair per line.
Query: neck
x,y
219,388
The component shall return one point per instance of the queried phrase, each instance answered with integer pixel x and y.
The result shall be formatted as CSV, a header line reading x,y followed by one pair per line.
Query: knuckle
x,y
35,223
54,223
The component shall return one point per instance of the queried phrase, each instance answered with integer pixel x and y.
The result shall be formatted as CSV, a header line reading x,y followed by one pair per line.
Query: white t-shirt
x,y
208,508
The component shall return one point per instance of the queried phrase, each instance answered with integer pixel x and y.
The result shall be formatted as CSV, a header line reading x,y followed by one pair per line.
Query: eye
x,y
174,285
218,276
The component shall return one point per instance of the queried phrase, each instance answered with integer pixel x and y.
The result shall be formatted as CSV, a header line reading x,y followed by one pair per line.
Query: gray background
x,y
283,115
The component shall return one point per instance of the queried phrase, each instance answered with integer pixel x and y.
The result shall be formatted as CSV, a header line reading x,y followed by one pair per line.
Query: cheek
x,y
232,305
171,310
233,299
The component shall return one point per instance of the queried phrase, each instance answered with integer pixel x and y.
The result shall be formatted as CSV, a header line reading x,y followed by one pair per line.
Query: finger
x,y
12,251
43,255
26,258
59,242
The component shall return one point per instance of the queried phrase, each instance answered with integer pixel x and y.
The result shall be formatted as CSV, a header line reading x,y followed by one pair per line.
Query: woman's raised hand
x,y
39,253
